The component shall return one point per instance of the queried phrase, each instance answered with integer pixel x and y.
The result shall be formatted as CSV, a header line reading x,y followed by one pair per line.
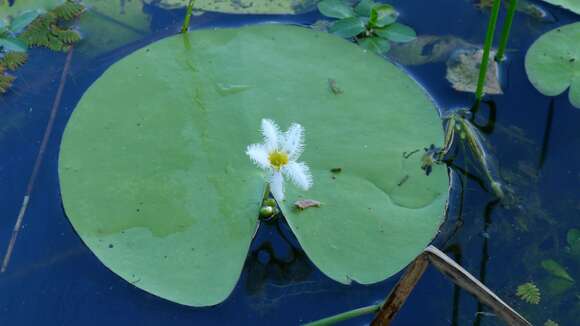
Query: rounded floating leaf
x,y
553,62
240,6
155,178
572,5
335,8
396,32
348,27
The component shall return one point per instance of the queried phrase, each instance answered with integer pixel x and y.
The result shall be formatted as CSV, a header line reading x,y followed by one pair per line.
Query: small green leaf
x,y
397,33
20,22
375,44
348,27
556,269
335,9
12,44
383,15
529,293
573,237
364,8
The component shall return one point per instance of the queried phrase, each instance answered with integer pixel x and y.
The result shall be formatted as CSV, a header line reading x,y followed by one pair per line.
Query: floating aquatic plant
x,y
50,29
553,62
5,80
13,60
175,204
529,293
372,25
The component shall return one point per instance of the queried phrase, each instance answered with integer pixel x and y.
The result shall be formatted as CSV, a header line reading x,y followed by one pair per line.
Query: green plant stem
x,y
487,49
346,315
185,26
507,26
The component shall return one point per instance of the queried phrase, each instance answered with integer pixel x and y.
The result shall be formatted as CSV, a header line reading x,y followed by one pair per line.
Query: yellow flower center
x,y
278,159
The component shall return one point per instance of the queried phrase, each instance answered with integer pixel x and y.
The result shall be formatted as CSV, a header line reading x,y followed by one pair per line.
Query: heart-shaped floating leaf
x,y
155,178
553,62
572,5
241,6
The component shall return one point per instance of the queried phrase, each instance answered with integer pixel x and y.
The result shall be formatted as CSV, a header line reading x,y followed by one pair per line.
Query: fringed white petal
x,y
277,186
259,155
299,174
271,133
293,142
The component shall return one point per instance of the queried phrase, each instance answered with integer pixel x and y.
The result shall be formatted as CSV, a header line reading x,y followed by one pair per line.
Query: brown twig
x,y
37,163
401,291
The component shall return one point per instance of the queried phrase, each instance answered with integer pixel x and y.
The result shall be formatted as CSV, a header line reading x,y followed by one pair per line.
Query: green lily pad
x,y
155,178
553,62
241,6
572,5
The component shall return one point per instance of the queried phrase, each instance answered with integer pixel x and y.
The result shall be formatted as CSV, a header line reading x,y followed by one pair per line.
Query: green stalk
x,y
346,315
507,26
185,26
487,49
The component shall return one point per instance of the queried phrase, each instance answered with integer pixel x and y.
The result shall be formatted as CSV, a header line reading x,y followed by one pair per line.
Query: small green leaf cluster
x,y
51,29
372,25
12,49
529,293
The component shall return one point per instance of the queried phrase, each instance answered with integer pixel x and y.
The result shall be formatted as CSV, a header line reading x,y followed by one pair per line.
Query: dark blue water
x,y
53,279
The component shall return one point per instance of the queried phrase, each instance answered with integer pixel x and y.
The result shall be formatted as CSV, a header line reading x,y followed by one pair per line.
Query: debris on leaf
x,y
529,293
336,170
333,87
306,203
463,71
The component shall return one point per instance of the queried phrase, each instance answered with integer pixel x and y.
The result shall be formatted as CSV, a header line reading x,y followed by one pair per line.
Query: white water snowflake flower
x,y
279,154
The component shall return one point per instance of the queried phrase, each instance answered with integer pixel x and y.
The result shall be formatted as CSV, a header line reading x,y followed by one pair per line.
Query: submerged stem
x,y
185,25
346,315
487,49
507,26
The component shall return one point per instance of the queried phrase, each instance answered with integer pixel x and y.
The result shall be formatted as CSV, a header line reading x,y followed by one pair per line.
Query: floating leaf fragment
x,y
463,72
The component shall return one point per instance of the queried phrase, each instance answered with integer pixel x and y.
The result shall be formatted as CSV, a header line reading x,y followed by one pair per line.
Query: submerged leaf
x,y
168,197
553,62
529,293
554,268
